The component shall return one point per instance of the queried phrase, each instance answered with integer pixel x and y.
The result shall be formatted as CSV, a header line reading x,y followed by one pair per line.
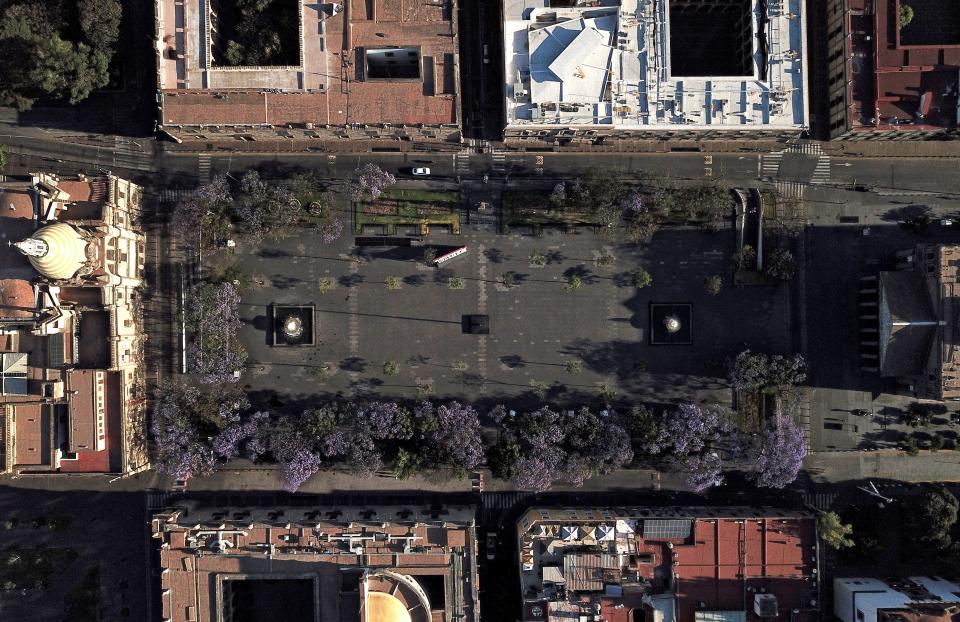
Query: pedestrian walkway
x,y
770,164
791,189
499,162
461,163
203,168
821,174
174,196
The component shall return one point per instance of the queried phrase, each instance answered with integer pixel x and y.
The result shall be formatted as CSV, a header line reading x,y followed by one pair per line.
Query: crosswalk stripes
x,y
174,196
820,500
461,162
806,148
499,162
791,189
770,164
203,168
821,174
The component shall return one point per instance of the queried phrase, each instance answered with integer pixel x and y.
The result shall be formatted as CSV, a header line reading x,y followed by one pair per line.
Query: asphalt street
x,y
838,191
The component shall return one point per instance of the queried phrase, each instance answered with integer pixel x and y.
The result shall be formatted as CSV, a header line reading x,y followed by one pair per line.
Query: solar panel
x,y
14,384
55,351
666,529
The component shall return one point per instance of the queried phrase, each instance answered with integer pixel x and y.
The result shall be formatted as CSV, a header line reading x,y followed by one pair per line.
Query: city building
x,y
587,71
344,564
917,599
72,378
384,71
668,564
908,322
889,82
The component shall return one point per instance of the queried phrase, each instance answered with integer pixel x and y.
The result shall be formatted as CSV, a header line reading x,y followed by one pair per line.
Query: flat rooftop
x,y
639,64
330,85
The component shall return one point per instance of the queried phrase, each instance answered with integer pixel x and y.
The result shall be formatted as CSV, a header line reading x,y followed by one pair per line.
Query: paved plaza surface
x,y
537,325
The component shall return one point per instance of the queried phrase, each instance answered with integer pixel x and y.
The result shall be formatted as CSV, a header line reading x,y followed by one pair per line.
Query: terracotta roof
x,y
87,404
32,429
17,299
16,203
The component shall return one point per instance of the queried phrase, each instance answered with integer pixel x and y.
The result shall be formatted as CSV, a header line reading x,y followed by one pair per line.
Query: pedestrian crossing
x,y
174,196
821,174
808,148
770,164
461,163
499,162
791,189
203,168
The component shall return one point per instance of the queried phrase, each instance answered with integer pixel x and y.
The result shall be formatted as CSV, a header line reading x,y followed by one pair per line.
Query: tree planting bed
x,y
405,207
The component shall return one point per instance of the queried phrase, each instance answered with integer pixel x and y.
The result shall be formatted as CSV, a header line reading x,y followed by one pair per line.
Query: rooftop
x,y
903,79
731,65
330,86
683,564
349,555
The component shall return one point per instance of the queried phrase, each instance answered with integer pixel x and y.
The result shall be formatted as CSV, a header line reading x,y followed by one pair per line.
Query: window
x,y
860,616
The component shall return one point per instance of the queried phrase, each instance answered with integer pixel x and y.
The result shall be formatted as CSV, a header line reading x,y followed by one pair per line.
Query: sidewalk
x,y
928,466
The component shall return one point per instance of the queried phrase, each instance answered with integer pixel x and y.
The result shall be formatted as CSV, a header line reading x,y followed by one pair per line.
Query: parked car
x,y
421,171
491,545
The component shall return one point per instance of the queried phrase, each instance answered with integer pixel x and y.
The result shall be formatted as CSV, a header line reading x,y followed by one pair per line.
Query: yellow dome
x,y
383,607
66,251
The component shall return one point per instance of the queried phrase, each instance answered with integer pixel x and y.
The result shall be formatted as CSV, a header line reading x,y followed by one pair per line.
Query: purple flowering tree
x,y
203,212
212,314
383,420
703,471
242,437
299,468
330,229
370,181
780,453
179,448
456,437
691,439
541,447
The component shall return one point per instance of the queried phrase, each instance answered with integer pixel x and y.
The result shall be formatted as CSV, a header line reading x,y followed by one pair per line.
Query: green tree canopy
x,y
834,532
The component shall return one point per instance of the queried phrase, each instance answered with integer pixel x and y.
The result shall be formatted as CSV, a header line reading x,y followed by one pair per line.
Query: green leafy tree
x,y
929,519
100,21
641,278
781,265
834,532
713,284
745,258
3,158
906,15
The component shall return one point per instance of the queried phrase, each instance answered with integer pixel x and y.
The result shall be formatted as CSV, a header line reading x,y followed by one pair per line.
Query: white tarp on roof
x,y
605,533
627,526
569,533
569,61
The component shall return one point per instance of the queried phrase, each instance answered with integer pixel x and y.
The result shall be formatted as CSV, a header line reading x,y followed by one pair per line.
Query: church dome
x,y
57,251
383,607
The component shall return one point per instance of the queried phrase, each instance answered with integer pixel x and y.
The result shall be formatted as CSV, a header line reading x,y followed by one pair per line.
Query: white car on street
x,y
421,171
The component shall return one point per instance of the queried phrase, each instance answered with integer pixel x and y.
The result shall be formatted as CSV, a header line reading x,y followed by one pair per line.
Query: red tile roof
x,y
17,299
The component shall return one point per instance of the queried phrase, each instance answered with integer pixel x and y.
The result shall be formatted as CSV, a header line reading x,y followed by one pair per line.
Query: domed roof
x,y
65,251
383,607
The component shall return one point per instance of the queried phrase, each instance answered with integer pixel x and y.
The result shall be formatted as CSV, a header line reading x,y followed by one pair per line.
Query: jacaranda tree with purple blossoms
x,y
370,181
536,449
202,216
245,437
691,439
451,436
264,208
779,453
179,427
755,371
212,315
